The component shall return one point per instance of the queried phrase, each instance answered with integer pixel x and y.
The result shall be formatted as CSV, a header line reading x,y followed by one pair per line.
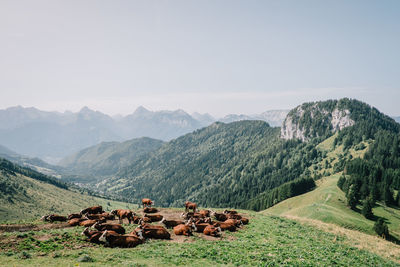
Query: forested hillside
x,y
93,163
221,165
246,164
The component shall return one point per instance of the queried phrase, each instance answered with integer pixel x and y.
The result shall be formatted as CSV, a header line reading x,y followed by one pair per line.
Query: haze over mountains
x,y
54,135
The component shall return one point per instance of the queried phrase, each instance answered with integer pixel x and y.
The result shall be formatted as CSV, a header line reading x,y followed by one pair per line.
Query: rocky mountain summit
x,y
317,119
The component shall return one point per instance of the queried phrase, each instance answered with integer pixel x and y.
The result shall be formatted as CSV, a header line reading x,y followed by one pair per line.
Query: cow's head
x,y
103,237
219,230
139,233
96,225
86,231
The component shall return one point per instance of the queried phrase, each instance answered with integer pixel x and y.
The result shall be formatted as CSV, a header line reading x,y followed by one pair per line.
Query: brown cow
x,y
154,231
87,223
54,218
230,212
150,210
205,213
219,216
201,226
147,202
189,215
136,219
75,221
122,214
113,227
95,235
234,216
237,223
226,226
212,231
74,216
201,220
104,215
184,229
171,223
245,220
190,206
92,210
123,241
154,217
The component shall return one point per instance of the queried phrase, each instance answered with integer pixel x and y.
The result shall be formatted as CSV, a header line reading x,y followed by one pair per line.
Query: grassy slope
x,y
327,202
42,198
266,241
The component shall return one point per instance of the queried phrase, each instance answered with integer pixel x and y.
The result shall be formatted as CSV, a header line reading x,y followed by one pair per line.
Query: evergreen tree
x,y
367,208
387,195
381,228
352,200
341,181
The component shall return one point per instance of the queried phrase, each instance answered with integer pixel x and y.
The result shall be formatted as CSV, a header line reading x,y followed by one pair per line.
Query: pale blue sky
x,y
207,56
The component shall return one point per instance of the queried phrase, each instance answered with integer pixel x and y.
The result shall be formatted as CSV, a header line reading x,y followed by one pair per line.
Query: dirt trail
x,y
31,227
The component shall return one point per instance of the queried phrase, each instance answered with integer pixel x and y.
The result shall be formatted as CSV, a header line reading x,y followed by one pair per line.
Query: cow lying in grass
x,y
153,217
104,215
111,227
225,226
185,229
123,241
92,210
171,223
150,210
212,230
95,235
153,231
54,218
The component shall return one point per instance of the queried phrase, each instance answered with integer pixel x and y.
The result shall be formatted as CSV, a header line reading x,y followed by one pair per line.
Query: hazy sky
x,y
207,56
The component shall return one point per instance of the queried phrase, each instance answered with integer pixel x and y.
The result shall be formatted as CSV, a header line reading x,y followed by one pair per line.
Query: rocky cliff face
x,y
315,119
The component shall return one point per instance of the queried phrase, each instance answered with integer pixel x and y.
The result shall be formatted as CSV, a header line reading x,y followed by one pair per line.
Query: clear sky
x,y
208,56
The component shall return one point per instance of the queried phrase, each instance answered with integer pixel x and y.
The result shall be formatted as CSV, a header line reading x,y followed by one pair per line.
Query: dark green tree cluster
x,y
377,175
280,193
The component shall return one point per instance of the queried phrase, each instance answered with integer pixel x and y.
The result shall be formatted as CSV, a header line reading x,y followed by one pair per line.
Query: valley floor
x,y
266,241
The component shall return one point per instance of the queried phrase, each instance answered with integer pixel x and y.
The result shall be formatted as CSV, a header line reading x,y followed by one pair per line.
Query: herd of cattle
x,y
99,231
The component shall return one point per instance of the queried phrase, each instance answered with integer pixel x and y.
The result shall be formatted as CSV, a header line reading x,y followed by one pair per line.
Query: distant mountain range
x,y
54,135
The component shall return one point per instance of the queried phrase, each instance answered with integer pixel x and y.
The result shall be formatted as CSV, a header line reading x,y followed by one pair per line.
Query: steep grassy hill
x,y
266,241
327,203
107,158
27,195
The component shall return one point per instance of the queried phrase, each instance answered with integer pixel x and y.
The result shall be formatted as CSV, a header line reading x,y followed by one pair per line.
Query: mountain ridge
x,y
52,135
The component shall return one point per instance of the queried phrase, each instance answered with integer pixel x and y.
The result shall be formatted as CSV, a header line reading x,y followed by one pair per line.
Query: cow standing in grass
x,y
147,202
190,206
122,214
